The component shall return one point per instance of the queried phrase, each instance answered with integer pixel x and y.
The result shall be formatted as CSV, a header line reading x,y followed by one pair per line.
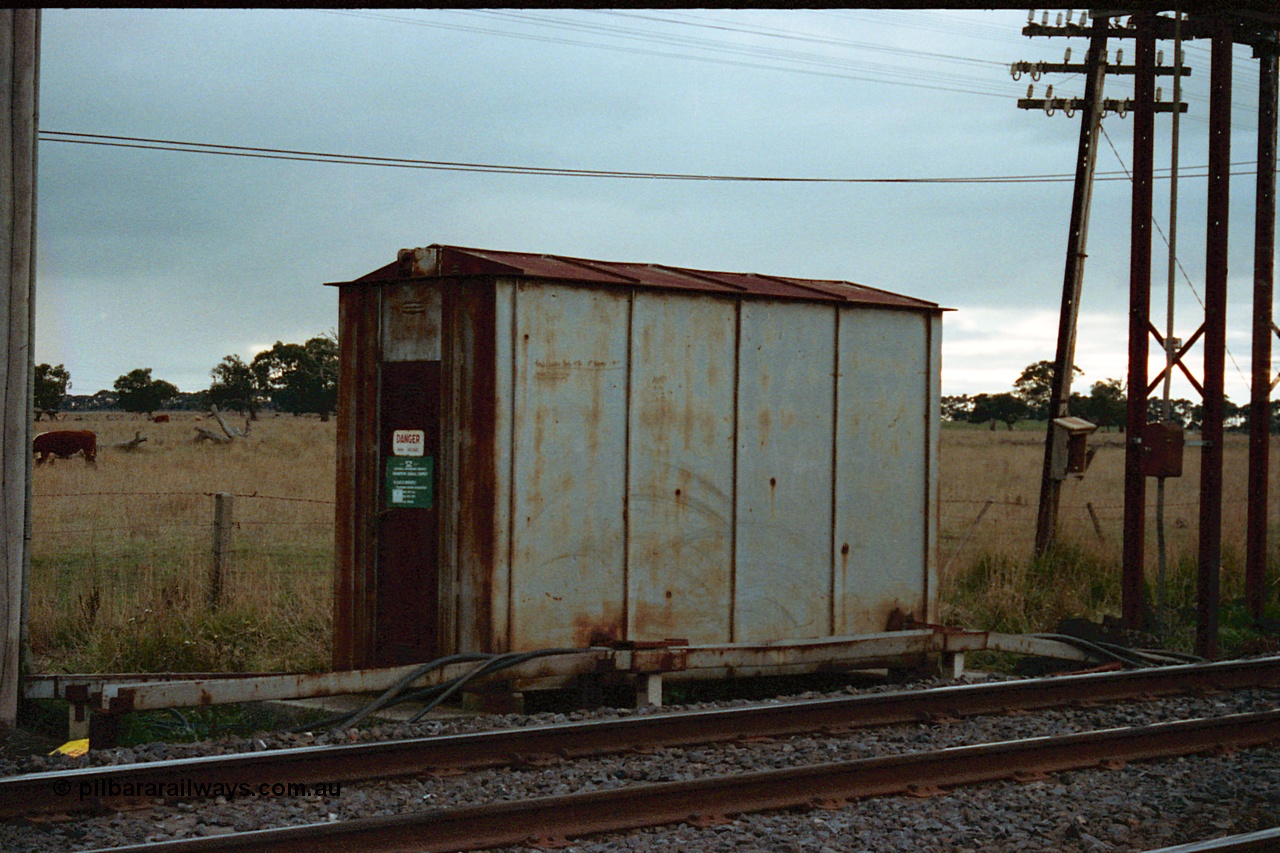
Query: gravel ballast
x,y
1135,808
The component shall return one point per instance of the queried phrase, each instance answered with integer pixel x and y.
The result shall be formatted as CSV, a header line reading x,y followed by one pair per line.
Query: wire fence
x,y
119,540
266,528
973,527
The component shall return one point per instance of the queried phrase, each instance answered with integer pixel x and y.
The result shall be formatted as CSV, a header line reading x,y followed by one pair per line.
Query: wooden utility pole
x,y
1095,69
1093,107
19,89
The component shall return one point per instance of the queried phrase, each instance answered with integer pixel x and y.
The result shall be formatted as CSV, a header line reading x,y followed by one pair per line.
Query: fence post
x,y
222,507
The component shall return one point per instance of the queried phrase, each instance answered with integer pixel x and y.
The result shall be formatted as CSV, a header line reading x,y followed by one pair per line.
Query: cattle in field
x,y
160,419
64,444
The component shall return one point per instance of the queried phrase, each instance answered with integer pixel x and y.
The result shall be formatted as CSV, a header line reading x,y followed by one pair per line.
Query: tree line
x,y
1105,405
294,378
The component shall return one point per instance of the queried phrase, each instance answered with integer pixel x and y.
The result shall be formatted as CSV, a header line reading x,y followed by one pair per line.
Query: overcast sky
x,y
171,260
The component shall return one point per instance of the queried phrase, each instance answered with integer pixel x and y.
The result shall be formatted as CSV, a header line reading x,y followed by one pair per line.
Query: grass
x,y
121,553
991,582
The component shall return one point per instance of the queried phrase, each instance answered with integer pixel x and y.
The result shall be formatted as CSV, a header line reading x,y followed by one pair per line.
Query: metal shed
x,y
540,451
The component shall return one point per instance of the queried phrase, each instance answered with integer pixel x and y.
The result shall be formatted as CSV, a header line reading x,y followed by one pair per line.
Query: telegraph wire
x,y
187,147
939,83
795,36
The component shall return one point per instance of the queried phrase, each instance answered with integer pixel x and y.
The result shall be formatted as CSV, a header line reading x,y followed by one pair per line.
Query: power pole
x,y
19,90
1093,108
1094,69
1150,448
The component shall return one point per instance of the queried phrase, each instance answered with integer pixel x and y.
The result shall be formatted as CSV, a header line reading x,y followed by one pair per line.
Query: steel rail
x,y
553,819
114,786
1263,841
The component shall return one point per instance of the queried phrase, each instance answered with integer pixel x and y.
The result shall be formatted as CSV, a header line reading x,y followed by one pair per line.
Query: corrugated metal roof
x,y
439,261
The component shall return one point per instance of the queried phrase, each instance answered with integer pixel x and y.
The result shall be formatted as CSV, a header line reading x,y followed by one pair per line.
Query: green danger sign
x,y
410,482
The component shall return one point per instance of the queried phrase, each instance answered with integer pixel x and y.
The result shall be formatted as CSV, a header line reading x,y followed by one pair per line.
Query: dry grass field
x,y
121,553
990,582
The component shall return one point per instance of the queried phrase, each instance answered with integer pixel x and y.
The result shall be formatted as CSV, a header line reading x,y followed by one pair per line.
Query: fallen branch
x,y
231,431
203,434
131,444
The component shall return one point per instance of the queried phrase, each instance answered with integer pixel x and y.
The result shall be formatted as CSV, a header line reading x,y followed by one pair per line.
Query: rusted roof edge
x,y
589,265
702,275
903,303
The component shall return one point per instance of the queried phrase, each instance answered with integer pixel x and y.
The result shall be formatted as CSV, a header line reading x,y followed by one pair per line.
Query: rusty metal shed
x,y
540,451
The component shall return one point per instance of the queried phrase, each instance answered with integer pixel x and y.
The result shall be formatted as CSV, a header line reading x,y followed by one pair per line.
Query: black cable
x,y
1138,658
436,694
1115,653
506,662
257,152
388,697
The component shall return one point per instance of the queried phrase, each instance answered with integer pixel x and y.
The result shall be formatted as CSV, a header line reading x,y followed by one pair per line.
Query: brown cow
x,y
160,419
66,443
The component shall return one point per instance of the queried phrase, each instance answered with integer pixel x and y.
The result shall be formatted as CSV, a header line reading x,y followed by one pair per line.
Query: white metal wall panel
x,y
504,350
882,475
680,459
786,395
568,553
934,450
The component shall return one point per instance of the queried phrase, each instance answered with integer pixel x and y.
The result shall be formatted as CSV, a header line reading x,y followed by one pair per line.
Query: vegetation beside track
x,y
121,553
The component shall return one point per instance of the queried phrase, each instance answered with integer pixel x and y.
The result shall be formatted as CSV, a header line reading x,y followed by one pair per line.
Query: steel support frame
x,y
1077,238
1135,485
1264,246
1215,305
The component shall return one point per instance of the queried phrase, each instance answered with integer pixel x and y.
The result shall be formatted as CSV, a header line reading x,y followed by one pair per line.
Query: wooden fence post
x,y
222,514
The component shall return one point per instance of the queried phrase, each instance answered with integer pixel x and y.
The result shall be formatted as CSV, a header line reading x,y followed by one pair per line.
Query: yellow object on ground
x,y
74,748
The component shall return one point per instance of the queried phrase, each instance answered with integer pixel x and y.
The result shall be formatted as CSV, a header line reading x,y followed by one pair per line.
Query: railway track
x,y
35,793
710,799
1266,841
550,821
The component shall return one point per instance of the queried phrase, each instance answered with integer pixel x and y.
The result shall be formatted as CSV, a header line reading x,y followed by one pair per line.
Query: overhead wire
x,y
302,155
803,63
823,40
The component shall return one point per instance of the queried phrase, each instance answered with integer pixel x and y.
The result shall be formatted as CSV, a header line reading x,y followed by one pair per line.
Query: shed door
x,y
409,544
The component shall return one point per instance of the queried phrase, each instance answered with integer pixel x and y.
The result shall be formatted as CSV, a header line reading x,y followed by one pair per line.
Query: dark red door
x,y
409,540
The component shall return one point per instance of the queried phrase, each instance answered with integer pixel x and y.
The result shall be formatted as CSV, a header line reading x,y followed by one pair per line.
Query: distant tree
x,y
957,408
1107,404
1181,410
137,392
235,386
301,378
1232,415
998,407
51,384
1033,388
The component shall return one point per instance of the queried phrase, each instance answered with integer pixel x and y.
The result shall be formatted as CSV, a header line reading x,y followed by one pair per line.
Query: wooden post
x,y
19,90
222,515
1073,279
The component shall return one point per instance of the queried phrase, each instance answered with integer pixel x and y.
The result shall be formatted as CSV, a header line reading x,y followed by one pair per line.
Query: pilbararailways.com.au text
x,y
193,789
